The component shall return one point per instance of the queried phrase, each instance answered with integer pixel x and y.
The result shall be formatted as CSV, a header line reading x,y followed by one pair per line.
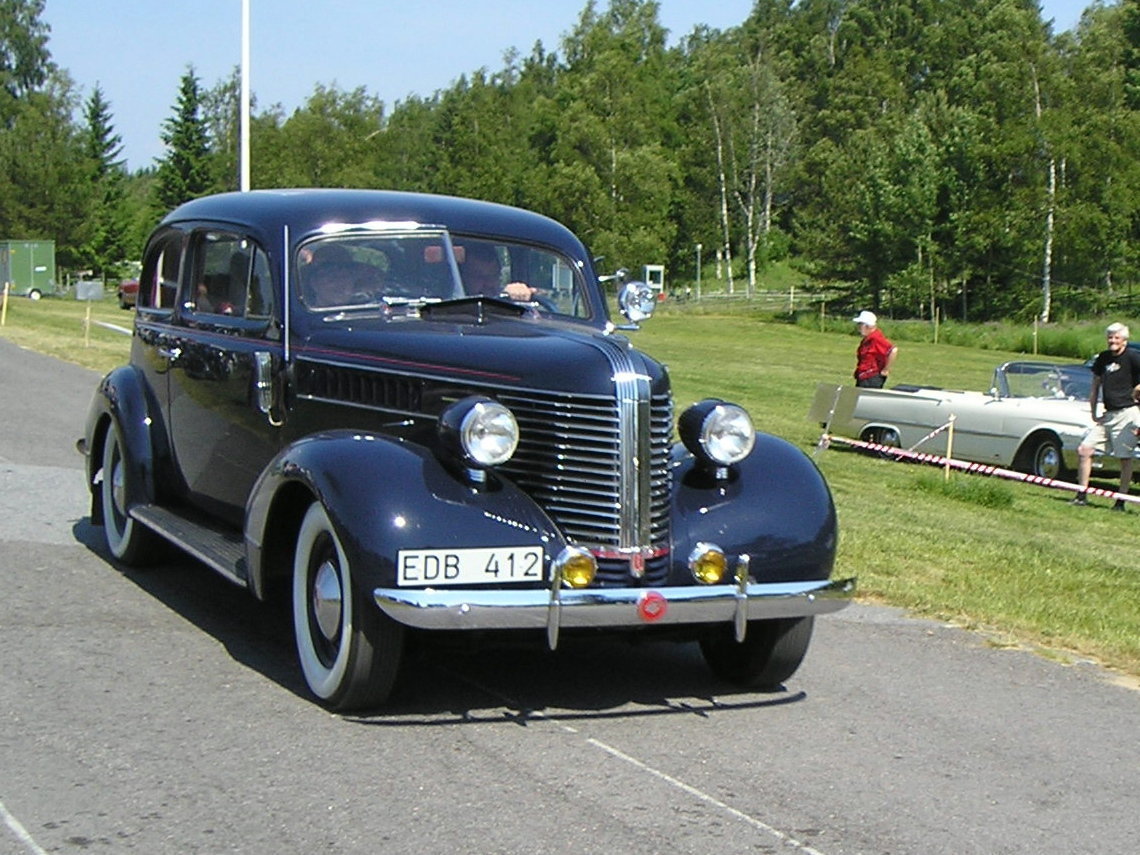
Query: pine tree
x,y
184,173
104,249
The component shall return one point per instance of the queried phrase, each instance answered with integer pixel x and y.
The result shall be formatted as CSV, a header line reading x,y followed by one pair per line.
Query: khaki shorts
x,y
1115,434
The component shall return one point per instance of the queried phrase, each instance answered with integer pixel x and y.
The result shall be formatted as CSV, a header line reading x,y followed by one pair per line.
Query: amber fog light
x,y
707,563
717,432
480,431
576,566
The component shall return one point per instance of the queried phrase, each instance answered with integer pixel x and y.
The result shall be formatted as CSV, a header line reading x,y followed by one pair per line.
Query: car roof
x,y
307,210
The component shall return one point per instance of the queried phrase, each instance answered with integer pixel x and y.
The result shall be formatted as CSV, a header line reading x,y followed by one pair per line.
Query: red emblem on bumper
x,y
652,607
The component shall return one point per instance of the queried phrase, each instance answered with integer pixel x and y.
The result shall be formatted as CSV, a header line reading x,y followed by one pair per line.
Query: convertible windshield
x,y
358,269
1039,380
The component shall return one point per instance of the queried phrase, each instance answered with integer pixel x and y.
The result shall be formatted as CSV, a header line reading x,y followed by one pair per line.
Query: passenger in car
x,y
483,275
339,284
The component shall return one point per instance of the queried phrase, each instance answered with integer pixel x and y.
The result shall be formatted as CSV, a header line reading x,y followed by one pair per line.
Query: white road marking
x,y
758,824
20,832
784,838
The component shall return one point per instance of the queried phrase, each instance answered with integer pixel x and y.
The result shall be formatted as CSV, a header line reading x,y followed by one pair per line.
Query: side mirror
x,y
637,301
620,275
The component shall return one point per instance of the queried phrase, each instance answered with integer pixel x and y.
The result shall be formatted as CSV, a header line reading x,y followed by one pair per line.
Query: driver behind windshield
x,y
483,275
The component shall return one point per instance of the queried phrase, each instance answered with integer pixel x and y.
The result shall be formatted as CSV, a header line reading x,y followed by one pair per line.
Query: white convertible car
x,y
1031,419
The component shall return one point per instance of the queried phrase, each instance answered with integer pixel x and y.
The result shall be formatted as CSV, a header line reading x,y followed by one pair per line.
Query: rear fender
x,y
123,398
382,495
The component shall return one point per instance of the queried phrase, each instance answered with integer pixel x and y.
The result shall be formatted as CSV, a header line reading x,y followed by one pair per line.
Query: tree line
x,y
912,156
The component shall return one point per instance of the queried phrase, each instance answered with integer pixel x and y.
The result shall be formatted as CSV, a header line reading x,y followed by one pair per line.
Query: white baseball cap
x,y
865,317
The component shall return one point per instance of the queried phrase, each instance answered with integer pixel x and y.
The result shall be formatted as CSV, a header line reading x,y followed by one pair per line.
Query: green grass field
x,y
1012,560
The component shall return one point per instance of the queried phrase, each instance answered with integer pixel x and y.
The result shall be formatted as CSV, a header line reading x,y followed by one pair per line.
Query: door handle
x,y
264,386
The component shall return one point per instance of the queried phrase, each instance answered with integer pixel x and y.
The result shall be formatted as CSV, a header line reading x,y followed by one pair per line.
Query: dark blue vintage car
x,y
412,414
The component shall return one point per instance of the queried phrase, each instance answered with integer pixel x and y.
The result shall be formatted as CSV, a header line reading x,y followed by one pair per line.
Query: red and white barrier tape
x,y
931,435
976,468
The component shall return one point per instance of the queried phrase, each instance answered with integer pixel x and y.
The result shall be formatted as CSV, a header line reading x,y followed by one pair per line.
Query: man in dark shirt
x,y
1116,371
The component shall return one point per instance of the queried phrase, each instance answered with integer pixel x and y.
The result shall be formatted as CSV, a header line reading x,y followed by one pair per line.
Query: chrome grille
x,y
569,461
573,453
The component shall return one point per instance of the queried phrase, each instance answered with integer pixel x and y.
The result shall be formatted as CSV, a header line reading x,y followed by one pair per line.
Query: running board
x,y
220,549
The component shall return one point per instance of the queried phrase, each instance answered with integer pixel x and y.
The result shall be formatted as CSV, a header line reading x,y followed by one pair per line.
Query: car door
x,y
224,350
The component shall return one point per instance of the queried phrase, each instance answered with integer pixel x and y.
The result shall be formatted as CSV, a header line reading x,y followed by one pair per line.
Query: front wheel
x,y
129,540
349,650
1042,457
771,652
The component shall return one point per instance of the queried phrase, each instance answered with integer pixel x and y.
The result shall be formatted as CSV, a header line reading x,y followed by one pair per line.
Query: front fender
x,y
774,506
123,397
383,495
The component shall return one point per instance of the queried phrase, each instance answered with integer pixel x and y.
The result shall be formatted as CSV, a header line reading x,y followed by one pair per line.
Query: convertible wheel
x,y
349,650
771,652
882,436
1043,458
129,541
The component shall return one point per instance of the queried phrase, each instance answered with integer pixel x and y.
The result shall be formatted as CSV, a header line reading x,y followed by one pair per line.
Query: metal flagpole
x,y
244,120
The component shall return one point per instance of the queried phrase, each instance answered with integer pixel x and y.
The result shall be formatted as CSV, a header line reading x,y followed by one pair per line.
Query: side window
x,y
260,303
225,269
159,280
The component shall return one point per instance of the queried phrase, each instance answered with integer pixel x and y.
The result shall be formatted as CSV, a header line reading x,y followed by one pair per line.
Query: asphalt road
x,y
161,712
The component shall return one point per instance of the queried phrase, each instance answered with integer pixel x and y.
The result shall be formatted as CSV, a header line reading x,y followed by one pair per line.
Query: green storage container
x,y
28,266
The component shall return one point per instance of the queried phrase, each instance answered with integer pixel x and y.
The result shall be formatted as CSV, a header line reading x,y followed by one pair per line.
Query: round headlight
x,y
485,431
637,301
717,431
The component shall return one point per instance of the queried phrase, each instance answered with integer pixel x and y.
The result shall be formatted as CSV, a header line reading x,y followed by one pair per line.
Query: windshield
x,y
412,268
1035,380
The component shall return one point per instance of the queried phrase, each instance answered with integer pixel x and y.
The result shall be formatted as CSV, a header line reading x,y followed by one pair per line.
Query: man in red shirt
x,y
875,355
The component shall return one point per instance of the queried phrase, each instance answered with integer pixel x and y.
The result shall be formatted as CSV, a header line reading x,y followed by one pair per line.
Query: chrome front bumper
x,y
614,608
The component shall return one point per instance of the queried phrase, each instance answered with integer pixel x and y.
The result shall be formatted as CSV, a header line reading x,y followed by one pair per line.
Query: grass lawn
x,y
58,327
1011,559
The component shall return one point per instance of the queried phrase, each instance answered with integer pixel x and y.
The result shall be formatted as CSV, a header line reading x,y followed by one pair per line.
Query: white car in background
x,y
1031,419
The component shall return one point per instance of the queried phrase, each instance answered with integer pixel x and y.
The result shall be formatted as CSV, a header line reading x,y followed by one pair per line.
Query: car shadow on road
x,y
453,684
584,679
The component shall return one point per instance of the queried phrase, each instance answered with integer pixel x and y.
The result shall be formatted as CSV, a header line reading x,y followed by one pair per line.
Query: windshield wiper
x,y
476,308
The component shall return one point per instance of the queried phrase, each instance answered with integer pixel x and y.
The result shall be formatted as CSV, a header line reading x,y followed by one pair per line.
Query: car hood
x,y
511,352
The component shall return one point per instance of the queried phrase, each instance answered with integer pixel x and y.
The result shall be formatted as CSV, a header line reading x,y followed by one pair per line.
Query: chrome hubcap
x,y
118,489
327,600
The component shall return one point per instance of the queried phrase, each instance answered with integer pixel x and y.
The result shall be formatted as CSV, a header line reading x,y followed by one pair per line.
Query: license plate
x,y
469,566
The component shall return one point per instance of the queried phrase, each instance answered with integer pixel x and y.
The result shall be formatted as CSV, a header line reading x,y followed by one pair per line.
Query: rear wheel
x,y
882,436
771,652
348,649
129,540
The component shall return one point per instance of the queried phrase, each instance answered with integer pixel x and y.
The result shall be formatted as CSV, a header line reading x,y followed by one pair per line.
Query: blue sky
x,y
137,50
